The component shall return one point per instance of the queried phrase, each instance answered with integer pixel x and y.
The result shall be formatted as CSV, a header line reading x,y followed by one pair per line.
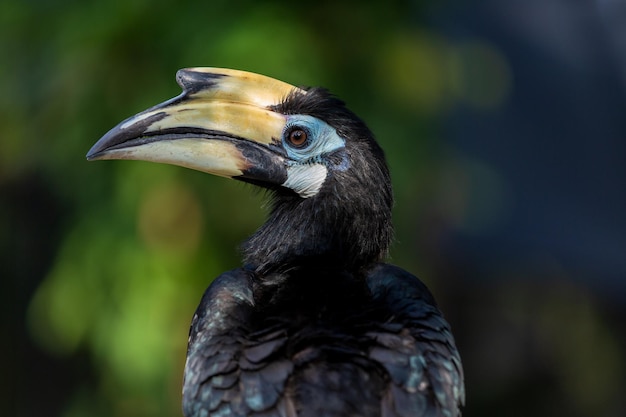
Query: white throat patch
x,y
306,179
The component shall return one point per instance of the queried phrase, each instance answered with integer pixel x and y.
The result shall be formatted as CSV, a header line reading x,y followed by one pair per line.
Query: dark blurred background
x,y
504,125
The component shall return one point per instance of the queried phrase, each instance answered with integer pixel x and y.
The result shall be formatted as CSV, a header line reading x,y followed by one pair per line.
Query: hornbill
x,y
313,324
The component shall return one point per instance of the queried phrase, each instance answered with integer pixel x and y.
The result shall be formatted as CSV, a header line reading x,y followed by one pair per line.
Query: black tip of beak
x,y
98,147
90,155
132,129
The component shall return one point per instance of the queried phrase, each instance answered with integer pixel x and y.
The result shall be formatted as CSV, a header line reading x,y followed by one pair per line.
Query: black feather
x,y
314,325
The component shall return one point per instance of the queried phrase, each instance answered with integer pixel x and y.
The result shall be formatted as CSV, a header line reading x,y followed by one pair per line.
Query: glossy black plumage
x,y
374,345
314,325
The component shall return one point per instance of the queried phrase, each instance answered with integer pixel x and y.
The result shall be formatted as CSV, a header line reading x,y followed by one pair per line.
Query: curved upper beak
x,y
222,123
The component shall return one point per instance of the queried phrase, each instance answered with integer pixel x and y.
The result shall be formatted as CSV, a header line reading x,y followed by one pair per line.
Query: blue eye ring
x,y
297,137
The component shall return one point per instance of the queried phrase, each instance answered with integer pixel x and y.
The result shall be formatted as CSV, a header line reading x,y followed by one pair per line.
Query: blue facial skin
x,y
322,140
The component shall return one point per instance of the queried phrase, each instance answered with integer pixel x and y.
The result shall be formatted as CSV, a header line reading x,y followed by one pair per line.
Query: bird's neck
x,y
323,232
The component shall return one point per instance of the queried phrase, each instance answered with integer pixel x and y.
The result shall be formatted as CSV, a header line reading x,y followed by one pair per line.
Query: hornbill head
x,y
328,176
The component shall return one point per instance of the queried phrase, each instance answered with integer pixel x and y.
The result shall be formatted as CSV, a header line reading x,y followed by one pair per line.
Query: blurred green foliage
x,y
132,246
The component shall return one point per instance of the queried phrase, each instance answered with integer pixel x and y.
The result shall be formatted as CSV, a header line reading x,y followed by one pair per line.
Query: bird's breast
x,y
385,351
297,365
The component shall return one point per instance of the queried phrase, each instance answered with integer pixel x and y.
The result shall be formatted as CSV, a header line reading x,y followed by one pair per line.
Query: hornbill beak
x,y
222,123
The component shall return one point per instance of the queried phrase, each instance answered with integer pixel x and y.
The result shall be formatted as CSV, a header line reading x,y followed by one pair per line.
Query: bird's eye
x,y
298,138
